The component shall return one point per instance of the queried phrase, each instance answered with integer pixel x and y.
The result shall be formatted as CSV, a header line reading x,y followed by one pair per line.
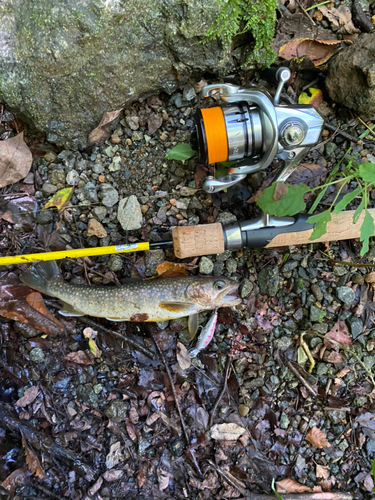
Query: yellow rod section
x,y
80,252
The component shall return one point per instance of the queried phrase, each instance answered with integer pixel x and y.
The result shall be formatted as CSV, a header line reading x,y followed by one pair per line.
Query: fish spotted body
x,y
137,300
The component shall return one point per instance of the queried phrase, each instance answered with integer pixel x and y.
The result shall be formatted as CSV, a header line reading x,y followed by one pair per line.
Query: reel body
x,y
251,129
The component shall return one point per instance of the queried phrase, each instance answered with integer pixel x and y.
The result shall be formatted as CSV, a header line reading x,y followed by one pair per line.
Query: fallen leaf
x,y
94,349
338,336
28,397
368,483
112,475
370,277
163,478
343,372
226,432
280,190
317,438
154,122
340,18
35,300
314,98
132,431
322,471
60,199
333,357
311,174
95,487
114,456
200,172
32,460
103,131
291,486
16,479
141,477
80,357
319,51
183,357
173,269
15,160
199,86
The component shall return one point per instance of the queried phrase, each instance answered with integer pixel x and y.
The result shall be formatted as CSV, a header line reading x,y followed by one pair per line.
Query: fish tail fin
x,y
39,275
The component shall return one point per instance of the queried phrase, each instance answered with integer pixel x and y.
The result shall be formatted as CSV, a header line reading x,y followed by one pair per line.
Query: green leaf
x,y
346,200
367,172
275,491
227,163
357,213
373,472
290,204
367,230
321,221
180,152
221,171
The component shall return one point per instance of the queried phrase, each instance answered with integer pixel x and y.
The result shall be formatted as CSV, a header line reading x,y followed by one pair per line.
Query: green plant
x,y
279,199
241,16
180,152
373,473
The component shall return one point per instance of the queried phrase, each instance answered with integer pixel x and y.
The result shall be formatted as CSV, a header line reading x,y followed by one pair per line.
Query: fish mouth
x,y
230,296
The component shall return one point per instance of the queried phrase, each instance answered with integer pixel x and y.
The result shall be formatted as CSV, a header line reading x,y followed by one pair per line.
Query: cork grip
x,y
341,227
192,241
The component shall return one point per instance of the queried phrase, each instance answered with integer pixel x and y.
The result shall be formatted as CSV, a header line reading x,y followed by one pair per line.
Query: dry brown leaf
x,y
319,51
112,475
32,460
338,336
340,18
163,478
226,432
368,483
280,189
35,300
291,486
15,160
141,478
131,430
370,277
103,131
333,357
96,486
310,174
16,479
114,456
183,357
322,471
28,397
317,438
80,357
343,372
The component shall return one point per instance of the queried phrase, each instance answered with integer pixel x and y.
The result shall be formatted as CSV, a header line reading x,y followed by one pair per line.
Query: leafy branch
x,y
280,199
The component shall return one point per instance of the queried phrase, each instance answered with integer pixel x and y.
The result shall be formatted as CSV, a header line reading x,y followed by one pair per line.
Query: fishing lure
x,y
206,336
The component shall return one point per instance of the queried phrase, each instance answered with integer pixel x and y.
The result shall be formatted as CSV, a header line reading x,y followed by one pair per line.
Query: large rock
x,y
64,63
351,76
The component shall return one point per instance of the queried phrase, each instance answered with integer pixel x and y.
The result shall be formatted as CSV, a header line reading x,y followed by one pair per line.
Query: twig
x,y
360,17
344,263
228,477
308,353
347,136
12,423
227,368
122,336
284,11
308,386
365,124
306,14
172,386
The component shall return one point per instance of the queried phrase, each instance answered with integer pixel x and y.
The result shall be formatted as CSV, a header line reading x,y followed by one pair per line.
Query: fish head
x,y
215,292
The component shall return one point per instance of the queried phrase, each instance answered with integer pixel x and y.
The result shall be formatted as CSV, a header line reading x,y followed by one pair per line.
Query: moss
x,y
242,16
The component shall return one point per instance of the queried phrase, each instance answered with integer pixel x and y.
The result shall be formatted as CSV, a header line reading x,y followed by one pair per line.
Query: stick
x,y
172,386
10,422
227,368
122,336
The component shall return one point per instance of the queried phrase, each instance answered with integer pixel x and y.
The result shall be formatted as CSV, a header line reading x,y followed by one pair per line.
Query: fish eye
x,y
219,284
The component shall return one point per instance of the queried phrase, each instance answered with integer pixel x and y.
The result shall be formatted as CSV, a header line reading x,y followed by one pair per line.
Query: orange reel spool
x,y
216,134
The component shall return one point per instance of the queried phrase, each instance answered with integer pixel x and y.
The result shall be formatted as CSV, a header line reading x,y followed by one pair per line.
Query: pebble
x,y
268,280
48,189
345,294
356,327
225,217
246,288
283,342
72,178
222,257
99,212
289,266
129,213
115,263
116,411
26,331
29,179
206,266
37,355
95,228
231,265
152,259
109,195
44,217
57,176
316,314
318,294
89,192
358,279
243,410
284,421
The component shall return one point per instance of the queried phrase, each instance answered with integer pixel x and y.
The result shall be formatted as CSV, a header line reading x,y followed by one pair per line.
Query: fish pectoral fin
x,y
178,307
69,310
193,324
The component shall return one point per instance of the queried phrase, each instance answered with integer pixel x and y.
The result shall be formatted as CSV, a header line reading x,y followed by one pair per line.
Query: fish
x,y
137,300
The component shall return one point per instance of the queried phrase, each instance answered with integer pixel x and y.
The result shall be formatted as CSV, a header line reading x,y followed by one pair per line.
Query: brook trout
x,y
138,300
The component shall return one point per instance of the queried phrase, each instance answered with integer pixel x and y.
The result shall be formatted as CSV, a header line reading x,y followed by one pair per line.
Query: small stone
x,y
94,228
57,176
115,139
321,369
218,268
133,122
89,192
330,148
289,266
129,213
189,92
48,189
316,314
109,195
206,265
268,280
284,421
255,382
26,331
243,410
320,328
116,411
225,217
345,294
246,288
137,136
115,263
72,178
369,362
50,156
222,257
37,355
356,327
152,259
29,179
44,217
339,271
358,279
115,166
283,342
195,204
99,212
231,265
182,204
318,294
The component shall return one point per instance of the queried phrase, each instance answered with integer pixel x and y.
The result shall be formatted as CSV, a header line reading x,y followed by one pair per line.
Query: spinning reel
x,y
251,129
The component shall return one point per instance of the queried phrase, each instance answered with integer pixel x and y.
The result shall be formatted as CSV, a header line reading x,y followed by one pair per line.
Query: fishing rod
x,y
249,129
